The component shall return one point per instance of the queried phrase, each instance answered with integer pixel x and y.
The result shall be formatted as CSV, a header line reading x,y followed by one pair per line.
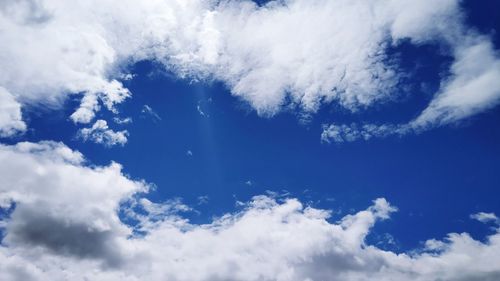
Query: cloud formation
x,y
485,217
102,134
10,115
67,222
67,219
293,53
62,206
347,133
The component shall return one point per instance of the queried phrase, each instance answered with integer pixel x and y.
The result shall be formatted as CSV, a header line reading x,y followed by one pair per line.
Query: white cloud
x,y
146,109
198,108
348,133
52,52
485,217
11,121
65,226
86,112
121,121
65,222
203,199
61,205
473,86
101,133
286,53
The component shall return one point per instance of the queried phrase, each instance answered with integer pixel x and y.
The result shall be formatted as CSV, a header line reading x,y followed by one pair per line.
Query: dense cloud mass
x,y
286,53
64,224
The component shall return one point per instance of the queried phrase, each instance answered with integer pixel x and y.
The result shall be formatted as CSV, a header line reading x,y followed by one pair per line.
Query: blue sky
x,y
436,178
214,142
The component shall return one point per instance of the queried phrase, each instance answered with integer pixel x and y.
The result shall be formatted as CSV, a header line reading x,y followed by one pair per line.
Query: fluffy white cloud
x,y
10,115
286,53
52,175
64,225
101,133
61,205
50,52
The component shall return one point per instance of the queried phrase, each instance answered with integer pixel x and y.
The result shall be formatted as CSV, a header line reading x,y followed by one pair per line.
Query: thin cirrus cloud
x,y
286,53
66,215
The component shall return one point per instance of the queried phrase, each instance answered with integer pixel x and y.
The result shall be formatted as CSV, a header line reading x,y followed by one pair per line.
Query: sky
x,y
239,140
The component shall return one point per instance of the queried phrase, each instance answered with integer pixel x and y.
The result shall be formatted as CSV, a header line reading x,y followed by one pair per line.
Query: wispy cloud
x,y
147,110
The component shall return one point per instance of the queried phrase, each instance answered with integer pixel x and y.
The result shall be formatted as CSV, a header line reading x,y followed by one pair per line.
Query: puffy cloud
x,y
10,115
302,52
61,205
56,49
64,224
101,133
51,52
285,53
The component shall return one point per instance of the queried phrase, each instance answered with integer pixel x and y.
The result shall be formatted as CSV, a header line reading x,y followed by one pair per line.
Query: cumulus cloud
x,y
61,205
102,134
67,222
50,53
297,53
11,121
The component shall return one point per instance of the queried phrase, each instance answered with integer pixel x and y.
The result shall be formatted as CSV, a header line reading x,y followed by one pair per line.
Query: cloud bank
x,y
293,53
66,221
